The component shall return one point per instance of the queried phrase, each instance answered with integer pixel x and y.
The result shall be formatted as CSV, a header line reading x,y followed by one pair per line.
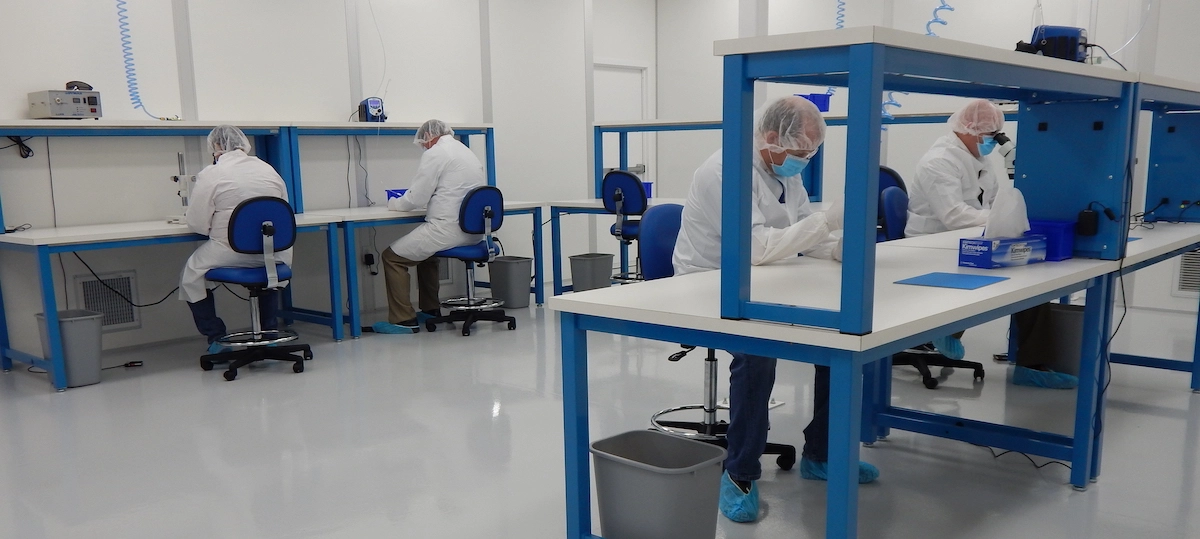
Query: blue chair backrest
x,y
894,203
474,216
246,224
633,195
890,178
656,246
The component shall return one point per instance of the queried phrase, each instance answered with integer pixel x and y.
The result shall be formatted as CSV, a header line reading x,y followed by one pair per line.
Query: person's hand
x,y
835,214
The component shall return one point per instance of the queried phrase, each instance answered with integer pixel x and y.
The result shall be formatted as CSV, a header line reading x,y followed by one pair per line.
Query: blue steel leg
x,y
1102,375
556,249
598,150
489,144
58,371
575,427
862,176
348,229
624,258
885,392
845,415
870,405
623,162
5,361
539,286
1085,435
737,111
335,282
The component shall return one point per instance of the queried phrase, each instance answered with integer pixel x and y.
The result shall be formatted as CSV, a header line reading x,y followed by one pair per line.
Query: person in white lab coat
x,y
233,178
955,182
786,134
448,171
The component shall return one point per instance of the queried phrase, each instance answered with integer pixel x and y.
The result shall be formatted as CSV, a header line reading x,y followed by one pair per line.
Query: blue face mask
x,y
988,144
791,166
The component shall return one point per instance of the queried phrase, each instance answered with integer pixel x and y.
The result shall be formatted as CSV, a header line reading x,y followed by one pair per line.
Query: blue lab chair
x,y
260,226
624,196
893,214
660,228
482,212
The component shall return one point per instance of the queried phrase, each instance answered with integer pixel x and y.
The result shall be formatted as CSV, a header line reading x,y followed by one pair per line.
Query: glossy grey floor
x,y
439,435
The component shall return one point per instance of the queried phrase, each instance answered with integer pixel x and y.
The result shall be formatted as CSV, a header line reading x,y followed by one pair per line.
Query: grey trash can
x,y
80,330
510,277
591,270
651,485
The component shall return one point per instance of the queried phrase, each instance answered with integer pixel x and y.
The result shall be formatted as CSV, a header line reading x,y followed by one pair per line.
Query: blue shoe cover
x,y
391,329
1025,376
819,471
950,347
736,505
216,348
422,316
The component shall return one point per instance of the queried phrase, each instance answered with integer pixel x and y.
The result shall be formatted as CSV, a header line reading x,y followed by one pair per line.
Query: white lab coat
x,y
448,170
219,189
944,193
778,230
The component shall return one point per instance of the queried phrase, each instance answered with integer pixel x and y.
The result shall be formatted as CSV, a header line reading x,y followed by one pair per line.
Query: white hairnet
x,y
978,117
430,130
227,138
796,120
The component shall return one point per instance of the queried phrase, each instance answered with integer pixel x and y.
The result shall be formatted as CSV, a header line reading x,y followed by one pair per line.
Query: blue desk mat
x,y
960,281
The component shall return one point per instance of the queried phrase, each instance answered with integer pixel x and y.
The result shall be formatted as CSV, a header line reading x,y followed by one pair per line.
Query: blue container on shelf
x,y
649,188
820,100
1060,238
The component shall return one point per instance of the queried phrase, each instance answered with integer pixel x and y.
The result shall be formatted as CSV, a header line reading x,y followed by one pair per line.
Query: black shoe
x,y
413,324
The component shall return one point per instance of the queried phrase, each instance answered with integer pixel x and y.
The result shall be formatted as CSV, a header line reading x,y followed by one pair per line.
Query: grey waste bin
x,y
591,270
510,277
80,331
651,485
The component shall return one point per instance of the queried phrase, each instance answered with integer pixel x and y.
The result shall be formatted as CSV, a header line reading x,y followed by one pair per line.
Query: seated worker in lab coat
x,y
786,134
233,178
448,171
955,184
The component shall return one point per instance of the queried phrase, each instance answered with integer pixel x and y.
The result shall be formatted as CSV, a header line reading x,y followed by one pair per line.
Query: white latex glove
x,y
835,215
837,251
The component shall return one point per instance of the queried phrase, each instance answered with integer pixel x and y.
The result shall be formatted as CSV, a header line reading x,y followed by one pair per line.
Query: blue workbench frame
x,y
868,69
293,134
352,288
859,401
55,365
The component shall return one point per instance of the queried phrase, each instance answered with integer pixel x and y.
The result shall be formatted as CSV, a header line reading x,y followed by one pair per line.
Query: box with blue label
x,y
394,193
991,253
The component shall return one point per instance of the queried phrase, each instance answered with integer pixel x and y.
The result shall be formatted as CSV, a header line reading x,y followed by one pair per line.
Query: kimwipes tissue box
x,y
1001,252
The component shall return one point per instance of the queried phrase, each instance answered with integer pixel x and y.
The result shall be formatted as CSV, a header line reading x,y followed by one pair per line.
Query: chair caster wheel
x,y
230,375
206,364
930,383
786,461
298,367
430,327
512,325
308,356
979,375
466,331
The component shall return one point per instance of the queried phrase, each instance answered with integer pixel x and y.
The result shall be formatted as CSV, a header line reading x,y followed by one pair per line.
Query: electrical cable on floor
x,y
114,291
996,455
125,365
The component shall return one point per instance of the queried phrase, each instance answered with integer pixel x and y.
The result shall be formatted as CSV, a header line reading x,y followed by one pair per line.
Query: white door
x,y
620,97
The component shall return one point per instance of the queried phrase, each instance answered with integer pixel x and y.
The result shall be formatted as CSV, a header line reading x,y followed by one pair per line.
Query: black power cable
x,y
114,291
1108,55
25,151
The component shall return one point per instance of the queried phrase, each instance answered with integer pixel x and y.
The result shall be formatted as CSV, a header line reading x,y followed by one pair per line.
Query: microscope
x,y
186,183
1008,149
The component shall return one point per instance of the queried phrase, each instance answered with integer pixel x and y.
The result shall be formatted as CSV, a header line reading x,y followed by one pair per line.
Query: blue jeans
x,y
751,379
204,313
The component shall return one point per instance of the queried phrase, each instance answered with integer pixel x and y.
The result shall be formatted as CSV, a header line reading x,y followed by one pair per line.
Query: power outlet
x,y
368,259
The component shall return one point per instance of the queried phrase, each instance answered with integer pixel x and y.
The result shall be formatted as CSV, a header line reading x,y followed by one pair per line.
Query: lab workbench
x,y
43,242
352,219
591,206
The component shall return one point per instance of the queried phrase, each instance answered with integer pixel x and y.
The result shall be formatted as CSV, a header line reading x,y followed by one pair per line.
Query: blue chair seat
x,y
629,230
470,253
247,276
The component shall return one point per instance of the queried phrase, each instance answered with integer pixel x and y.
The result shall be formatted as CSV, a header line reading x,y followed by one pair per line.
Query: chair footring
x,y
476,304
468,317
296,353
263,338
696,430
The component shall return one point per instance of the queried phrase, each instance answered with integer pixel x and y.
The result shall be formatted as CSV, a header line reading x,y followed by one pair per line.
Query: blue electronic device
x,y
1066,42
371,110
